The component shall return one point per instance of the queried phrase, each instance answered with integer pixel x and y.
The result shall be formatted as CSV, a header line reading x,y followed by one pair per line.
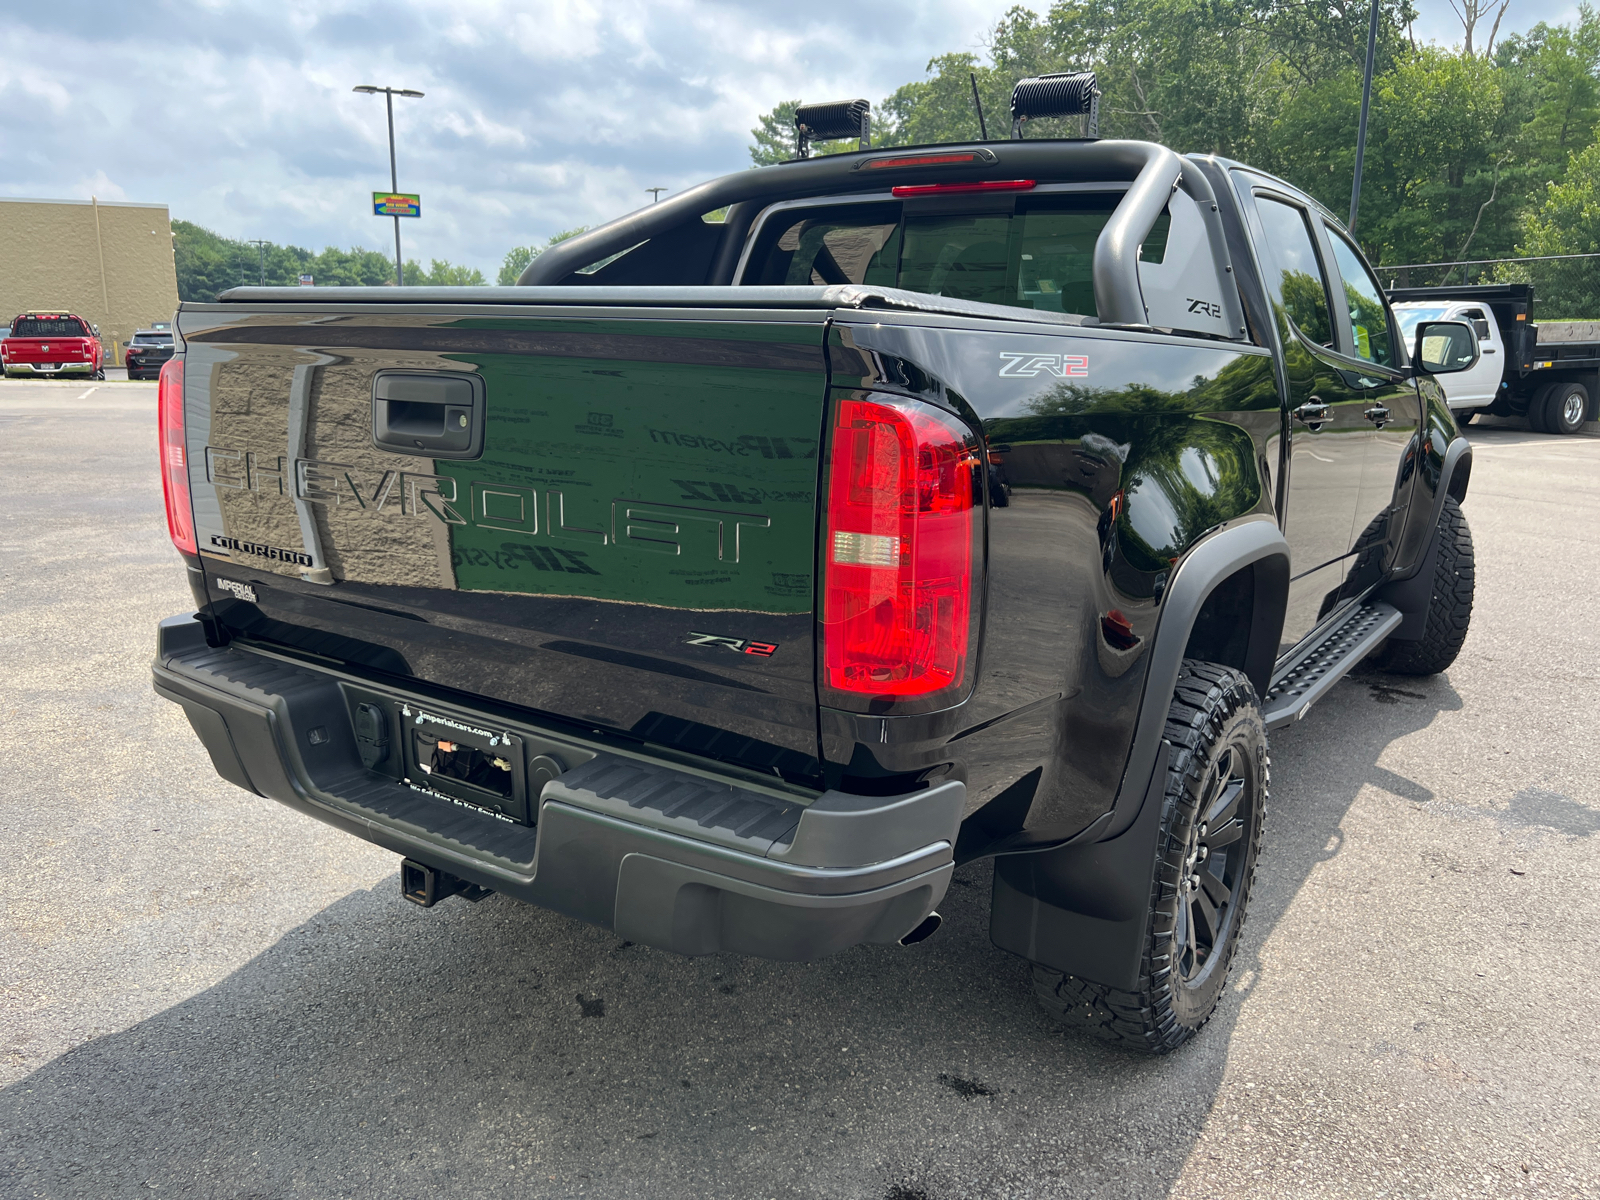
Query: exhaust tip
x,y
923,931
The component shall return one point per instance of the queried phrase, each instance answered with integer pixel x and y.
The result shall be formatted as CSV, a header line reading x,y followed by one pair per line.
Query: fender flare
x,y
1081,907
1254,543
1457,457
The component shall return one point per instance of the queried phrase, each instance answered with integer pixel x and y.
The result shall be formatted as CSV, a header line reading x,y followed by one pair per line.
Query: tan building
x,y
108,262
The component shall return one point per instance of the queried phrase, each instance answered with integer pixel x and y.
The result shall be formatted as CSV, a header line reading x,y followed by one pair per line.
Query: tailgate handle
x,y
429,413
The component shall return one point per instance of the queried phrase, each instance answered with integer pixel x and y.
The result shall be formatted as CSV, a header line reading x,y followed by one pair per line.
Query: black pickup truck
x,y
731,581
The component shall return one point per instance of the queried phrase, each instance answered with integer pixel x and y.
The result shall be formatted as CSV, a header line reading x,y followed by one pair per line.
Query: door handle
x,y
1314,413
433,414
1377,414
1488,349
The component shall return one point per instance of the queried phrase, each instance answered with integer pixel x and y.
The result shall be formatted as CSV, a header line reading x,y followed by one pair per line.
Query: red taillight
x,y
899,554
952,189
174,456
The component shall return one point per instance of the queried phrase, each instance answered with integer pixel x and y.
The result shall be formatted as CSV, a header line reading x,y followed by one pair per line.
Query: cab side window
x,y
1299,281
1369,319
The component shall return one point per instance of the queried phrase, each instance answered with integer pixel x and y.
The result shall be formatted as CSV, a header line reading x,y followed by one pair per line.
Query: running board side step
x,y
1310,676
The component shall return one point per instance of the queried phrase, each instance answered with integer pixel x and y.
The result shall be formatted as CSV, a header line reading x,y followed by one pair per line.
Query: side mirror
x,y
1445,347
1482,327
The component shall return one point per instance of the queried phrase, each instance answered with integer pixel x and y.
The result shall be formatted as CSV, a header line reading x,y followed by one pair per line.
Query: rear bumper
x,y
50,369
664,853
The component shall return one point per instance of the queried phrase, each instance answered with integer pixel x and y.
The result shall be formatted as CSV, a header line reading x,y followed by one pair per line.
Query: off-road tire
x,y
1449,606
1214,725
1566,408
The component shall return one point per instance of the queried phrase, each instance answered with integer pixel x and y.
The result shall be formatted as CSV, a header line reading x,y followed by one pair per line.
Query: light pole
x,y
389,94
655,193
1366,103
261,246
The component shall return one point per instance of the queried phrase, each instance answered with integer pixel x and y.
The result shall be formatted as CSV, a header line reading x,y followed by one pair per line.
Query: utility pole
x,y
655,193
389,94
261,246
1366,103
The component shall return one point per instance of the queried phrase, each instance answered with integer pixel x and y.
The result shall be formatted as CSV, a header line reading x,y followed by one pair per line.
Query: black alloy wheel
x,y
1212,871
1213,812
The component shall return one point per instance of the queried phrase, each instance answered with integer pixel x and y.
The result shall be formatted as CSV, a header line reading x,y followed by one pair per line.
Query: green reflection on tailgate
x,y
673,483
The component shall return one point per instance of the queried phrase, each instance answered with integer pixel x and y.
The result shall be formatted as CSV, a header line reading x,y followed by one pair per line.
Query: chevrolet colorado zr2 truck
x,y
669,590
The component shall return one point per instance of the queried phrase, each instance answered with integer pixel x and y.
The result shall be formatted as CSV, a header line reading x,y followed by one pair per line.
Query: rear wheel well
x,y
1242,619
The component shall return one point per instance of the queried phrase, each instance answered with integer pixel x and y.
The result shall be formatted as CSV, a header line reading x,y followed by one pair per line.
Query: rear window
x,y
151,339
42,327
1040,255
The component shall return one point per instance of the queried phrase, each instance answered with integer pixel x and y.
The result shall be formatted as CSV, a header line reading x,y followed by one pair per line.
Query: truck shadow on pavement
x,y
498,1050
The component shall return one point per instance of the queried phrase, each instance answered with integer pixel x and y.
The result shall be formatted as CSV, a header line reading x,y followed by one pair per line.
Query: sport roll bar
x,y
1153,172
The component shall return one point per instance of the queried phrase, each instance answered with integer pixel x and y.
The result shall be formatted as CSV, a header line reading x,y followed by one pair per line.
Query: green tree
x,y
443,274
774,136
208,264
1462,146
518,257
1568,222
1441,111
939,108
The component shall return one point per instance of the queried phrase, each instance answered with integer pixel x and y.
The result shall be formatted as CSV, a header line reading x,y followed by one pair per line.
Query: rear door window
x,y
1296,272
1040,255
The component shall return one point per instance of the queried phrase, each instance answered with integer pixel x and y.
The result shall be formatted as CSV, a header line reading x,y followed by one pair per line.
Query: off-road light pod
x,y
1074,94
833,119
902,556
174,456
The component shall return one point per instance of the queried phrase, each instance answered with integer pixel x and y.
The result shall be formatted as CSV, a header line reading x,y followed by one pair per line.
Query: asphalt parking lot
x,y
207,995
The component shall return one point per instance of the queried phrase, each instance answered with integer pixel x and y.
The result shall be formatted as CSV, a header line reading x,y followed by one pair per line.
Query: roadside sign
x,y
396,204
307,281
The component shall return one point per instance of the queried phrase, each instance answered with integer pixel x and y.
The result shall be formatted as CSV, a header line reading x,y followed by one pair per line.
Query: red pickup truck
x,y
52,343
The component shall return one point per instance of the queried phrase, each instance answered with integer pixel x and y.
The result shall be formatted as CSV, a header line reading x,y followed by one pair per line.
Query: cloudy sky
x,y
539,115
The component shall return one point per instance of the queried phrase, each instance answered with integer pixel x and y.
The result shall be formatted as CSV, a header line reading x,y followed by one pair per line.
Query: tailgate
x,y
45,350
601,516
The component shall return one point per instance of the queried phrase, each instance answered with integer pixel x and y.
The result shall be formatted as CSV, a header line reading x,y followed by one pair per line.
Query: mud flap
x,y
1084,909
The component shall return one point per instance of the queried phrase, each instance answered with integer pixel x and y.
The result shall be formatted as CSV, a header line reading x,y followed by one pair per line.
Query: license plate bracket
x,y
466,765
